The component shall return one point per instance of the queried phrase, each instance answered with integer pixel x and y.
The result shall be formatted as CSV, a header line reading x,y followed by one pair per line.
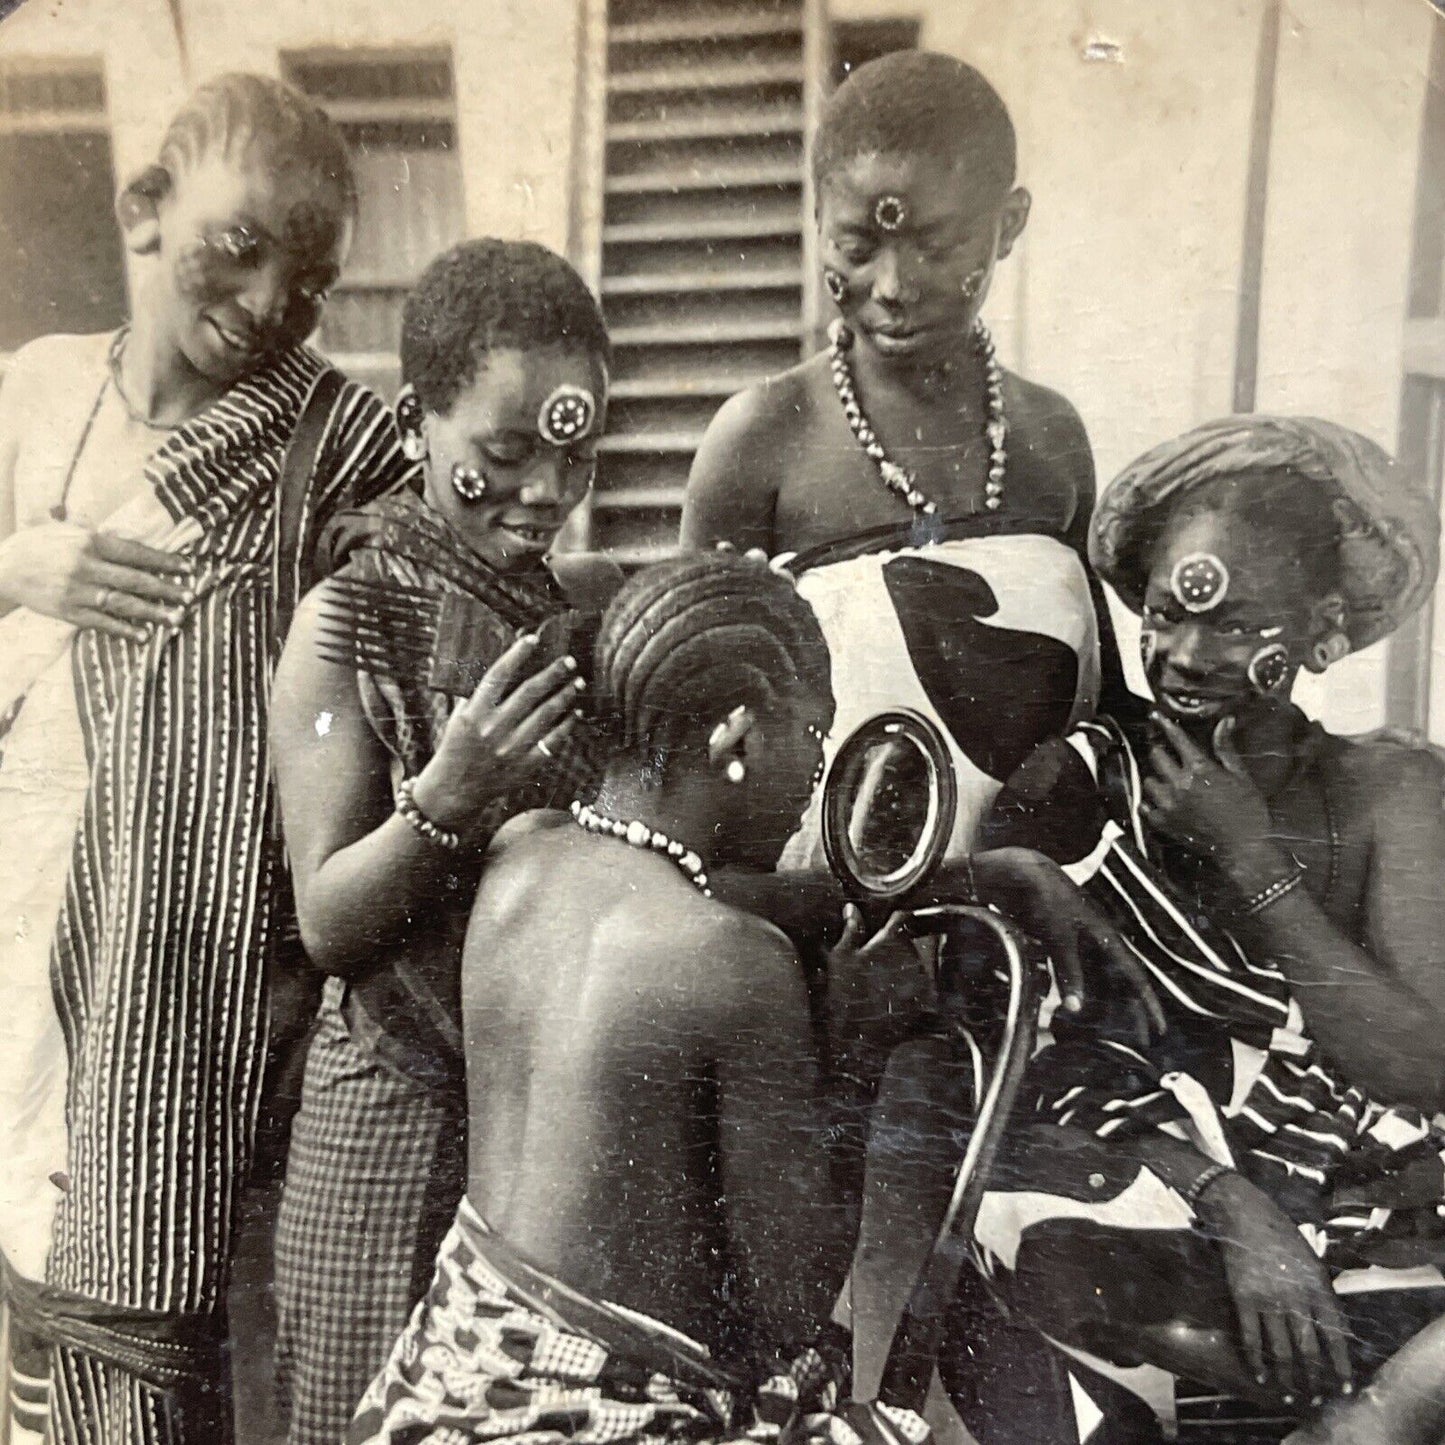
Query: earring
x,y
1268,668
468,483
1330,650
972,283
736,771
409,423
837,285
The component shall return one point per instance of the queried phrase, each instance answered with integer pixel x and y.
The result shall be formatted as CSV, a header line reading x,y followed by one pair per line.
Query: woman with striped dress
x,y
1255,1200
138,572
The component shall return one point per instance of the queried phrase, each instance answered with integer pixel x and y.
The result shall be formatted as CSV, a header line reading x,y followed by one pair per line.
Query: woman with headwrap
x,y
1272,1158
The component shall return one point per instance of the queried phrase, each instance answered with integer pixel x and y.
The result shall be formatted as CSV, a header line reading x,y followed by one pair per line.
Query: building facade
x,y
1238,205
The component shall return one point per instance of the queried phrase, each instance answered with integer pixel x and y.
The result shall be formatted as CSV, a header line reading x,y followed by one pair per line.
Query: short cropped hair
x,y
684,642
1297,513
917,102
485,295
258,116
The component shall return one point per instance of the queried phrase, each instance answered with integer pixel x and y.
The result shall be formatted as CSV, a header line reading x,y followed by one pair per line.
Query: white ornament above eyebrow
x,y
568,413
890,213
1199,582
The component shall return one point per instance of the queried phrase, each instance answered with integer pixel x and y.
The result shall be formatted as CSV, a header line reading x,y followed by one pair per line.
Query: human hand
x,y
1291,1330
878,989
1209,804
1035,893
512,727
94,579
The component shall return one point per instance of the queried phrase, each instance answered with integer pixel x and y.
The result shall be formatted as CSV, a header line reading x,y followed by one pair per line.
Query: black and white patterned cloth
x,y
499,1350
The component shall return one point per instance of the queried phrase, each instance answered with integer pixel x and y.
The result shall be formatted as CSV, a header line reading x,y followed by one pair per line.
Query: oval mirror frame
x,y
840,793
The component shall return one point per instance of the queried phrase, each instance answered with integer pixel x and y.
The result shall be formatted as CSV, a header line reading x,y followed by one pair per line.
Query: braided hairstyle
x,y
917,102
686,641
256,116
488,294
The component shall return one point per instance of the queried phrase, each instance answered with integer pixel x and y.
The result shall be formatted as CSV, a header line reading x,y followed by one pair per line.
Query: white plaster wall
x,y
1343,165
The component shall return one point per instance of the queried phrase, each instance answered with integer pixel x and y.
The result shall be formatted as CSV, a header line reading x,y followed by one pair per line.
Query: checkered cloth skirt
x,y
376,1167
525,1359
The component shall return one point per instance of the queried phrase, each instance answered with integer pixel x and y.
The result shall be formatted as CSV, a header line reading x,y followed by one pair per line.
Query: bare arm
x,y
730,490
1023,885
789,1234
362,872
1114,695
1377,1008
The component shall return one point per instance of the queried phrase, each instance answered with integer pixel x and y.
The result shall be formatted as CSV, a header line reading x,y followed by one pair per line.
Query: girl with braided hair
x,y
651,1240
388,806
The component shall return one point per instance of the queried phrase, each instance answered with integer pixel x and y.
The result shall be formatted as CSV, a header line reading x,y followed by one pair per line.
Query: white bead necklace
x,y
639,835
898,478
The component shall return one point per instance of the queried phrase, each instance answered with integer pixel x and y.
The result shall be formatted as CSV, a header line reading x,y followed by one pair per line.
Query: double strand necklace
x,y
638,835
901,480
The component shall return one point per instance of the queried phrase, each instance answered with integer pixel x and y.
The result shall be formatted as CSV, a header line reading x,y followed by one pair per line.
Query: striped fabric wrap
x,y
412,1003
398,540
1236,1072
500,1350
159,955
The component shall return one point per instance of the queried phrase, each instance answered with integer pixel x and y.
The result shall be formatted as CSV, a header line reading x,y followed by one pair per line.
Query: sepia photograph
x,y
721,722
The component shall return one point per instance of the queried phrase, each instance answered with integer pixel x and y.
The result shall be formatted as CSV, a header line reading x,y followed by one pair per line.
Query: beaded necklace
x,y
638,835
901,480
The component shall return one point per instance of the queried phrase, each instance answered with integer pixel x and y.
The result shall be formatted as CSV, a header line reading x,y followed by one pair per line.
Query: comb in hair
x,y
444,642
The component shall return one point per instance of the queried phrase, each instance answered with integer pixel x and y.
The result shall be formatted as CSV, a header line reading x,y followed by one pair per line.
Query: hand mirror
x,y
888,806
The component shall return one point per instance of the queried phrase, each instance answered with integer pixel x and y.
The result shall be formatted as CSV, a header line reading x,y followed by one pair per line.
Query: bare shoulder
x,y
49,362
302,648
1049,445
750,968
1048,422
524,829
722,966
1394,773
747,440
769,403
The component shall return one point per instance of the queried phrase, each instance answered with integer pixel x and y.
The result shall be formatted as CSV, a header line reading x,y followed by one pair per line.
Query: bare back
x,y
642,1090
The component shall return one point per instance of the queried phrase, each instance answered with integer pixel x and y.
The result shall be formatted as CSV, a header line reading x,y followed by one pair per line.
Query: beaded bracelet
x,y
408,808
1202,1181
1276,890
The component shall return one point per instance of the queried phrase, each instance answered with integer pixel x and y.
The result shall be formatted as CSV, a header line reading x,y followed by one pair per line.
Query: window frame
x,y
351,113
92,119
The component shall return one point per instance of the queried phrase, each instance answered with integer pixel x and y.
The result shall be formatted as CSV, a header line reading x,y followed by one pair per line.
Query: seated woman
x,y
395,767
1285,1230
650,1242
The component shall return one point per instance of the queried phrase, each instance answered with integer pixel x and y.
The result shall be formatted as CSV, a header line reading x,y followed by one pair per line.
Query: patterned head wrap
x,y
1389,535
